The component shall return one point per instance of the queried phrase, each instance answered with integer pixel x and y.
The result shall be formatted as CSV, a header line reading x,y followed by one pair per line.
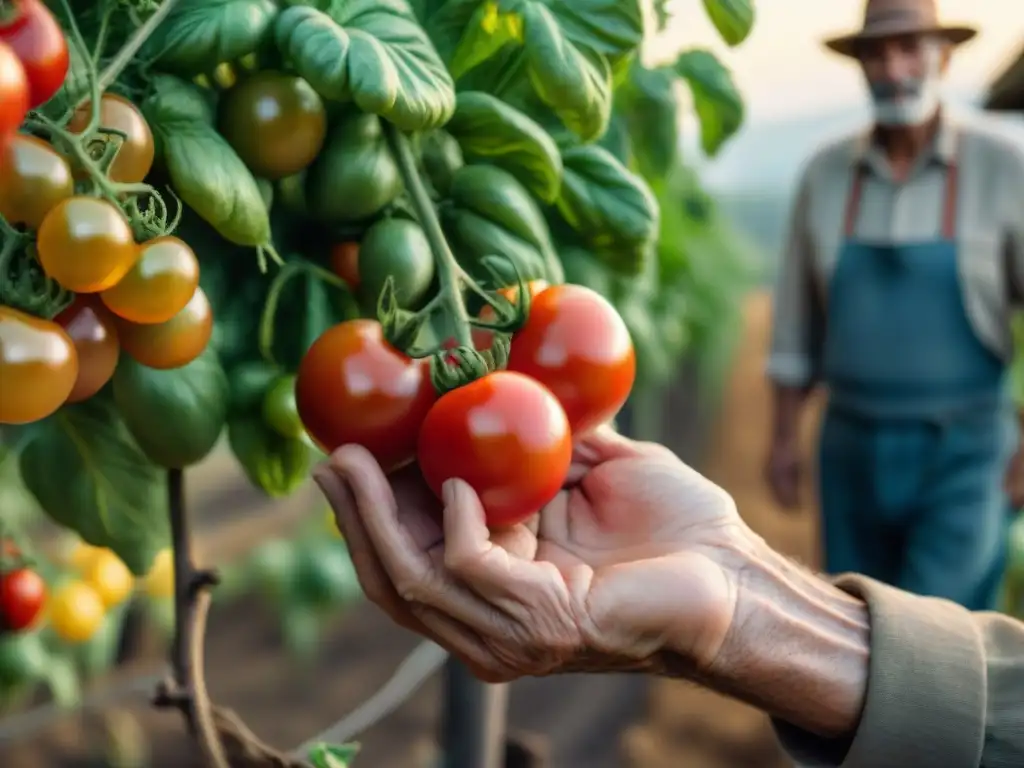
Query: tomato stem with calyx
x,y
23,283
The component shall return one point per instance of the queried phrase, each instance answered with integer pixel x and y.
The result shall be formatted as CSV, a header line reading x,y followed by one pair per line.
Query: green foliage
x,y
715,98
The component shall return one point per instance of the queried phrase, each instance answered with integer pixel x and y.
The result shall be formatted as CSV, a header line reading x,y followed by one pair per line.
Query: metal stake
x,y
474,720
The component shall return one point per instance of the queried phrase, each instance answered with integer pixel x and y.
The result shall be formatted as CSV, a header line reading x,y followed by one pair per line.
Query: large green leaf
x,y
89,475
651,110
732,18
197,35
176,416
612,209
468,32
205,171
489,129
371,52
275,464
715,98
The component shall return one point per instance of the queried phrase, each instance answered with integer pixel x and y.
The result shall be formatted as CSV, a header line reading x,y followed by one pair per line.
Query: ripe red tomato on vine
x,y
32,32
506,436
353,387
576,344
482,338
22,596
93,332
13,96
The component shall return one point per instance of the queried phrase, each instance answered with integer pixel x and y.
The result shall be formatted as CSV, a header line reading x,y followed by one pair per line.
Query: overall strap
x,y
949,203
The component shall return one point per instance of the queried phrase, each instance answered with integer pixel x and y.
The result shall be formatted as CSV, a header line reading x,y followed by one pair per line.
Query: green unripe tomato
x,y
279,409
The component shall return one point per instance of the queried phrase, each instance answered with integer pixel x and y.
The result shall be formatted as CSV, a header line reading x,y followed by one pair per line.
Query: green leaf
x,y
732,18
651,112
197,35
205,171
612,210
491,130
715,98
106,490
490,213
275,464
469,32
176,416
333,755
371,52
62,682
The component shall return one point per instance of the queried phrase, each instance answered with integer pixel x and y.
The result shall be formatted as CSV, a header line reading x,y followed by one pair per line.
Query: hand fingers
x,y
605,444
373,579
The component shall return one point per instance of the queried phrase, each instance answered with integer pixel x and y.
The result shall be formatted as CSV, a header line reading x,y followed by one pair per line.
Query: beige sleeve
x,y
945,688
795,316
1013,198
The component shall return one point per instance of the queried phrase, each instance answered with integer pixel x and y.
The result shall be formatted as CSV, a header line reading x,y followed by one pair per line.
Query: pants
x,y
918,504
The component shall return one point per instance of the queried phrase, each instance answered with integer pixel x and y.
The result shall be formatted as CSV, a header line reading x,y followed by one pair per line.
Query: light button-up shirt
x,y
989,228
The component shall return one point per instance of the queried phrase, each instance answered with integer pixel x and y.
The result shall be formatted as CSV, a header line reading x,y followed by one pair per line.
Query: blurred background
x,y
283,588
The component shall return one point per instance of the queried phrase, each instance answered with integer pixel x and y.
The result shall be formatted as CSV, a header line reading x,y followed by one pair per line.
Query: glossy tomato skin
x,y
280,411
93,332
275,122
134,157
158,287
576,345
174,343
13,95
38,367
505,435
86,244
353,387
34,177
76,612
482,338
36,37
22,596
345,263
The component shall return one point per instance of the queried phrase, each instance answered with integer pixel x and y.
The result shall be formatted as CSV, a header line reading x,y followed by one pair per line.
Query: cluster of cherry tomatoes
x,y
509,434
141,298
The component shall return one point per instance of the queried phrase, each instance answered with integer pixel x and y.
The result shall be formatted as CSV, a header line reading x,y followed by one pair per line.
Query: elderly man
x,y
905,258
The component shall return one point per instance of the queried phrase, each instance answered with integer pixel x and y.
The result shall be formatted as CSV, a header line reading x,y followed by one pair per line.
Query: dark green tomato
x,y
291,194
399,248
250,383
279,408
354,176
325,576
275,122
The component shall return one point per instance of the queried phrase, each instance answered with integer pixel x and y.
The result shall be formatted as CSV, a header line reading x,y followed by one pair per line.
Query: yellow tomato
x,y
110,577
76,612
81,554
159,581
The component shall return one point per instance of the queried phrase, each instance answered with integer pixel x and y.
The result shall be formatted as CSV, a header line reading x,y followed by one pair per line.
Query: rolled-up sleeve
x,y
792,359
945,688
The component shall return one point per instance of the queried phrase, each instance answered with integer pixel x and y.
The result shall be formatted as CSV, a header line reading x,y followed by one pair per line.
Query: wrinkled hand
x,y
637,553
1014,480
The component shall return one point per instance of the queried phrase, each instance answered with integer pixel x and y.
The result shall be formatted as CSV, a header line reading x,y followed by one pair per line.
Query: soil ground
x,y
590,722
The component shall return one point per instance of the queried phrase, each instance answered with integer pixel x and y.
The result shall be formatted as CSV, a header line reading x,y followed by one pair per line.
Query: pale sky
x,y
782,69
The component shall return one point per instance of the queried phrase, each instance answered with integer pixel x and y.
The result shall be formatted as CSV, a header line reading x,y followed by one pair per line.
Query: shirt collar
x,y
943,148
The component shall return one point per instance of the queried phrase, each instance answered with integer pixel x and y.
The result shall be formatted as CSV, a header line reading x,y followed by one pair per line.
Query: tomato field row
x,y
310,223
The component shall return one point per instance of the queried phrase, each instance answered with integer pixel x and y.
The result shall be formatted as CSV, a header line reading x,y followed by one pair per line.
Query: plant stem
x,y
450,275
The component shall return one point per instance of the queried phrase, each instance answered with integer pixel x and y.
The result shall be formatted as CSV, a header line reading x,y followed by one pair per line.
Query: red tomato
x,y
345,263
505,435
34,34
481,337
576,345
94,334
22,594
353,387
13,95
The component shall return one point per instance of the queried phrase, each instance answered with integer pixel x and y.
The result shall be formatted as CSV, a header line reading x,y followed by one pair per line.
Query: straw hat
x,y
885,18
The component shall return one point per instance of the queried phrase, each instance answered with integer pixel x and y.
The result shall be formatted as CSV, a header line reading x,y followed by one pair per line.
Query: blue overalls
x,y
919,428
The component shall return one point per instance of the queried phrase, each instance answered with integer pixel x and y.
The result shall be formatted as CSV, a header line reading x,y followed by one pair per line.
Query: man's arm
x,y
861,675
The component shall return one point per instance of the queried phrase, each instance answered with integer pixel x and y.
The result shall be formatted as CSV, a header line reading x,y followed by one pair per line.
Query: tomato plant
x,y
22,596
94,335
13,96
135,151
483,338
280,409
506,436
86,244
158,286
353,387
578,346
38,367
173,343
33,33
34,177
275,122
75,612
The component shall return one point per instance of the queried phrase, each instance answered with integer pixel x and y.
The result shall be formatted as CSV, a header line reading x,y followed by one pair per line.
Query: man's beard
x,y
906,103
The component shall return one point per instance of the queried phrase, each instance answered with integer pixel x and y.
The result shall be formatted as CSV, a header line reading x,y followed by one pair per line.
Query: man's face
x,y
904,74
